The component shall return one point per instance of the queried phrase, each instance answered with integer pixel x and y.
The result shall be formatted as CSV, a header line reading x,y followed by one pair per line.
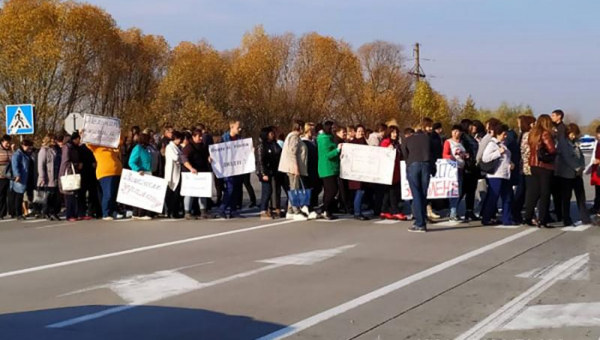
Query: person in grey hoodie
x,y
569,171
48,167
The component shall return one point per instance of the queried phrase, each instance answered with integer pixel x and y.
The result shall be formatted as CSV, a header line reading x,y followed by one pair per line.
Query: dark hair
x,y
382,128
197,132
187,135
167,126
526,122
560,113
479,126
318,127
492,123
135,130
351,127
327,126
340,128
177,135
499,129
426,122
298,125
409,131
281,136
457,127
75,135
26,142
60,138
388,133
7,138
598,129
466,124
358,126
573,128
264,133
437,125
144,138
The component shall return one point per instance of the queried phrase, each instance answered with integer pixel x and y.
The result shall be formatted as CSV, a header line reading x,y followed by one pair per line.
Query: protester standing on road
x,y
525,123
195,159
541,160
108,173
498,180
471,173
6,154
173,160
455,151
356,186
595,174
329,168
48,169
420,166
140,161
20,169
294,159
233,185
391,193
267,163
312,181
70,164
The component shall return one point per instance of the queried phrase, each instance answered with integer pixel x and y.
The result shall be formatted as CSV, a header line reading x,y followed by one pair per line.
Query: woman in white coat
x,y
173,175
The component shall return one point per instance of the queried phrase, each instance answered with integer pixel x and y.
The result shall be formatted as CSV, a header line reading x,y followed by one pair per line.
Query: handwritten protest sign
x,y
103,131
369,164
146,192
233,158
196,185
443,185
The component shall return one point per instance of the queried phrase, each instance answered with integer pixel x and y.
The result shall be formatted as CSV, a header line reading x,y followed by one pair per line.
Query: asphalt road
x,y
250,279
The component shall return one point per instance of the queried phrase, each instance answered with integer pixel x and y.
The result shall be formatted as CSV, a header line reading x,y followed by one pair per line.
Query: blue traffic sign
x,y
19,119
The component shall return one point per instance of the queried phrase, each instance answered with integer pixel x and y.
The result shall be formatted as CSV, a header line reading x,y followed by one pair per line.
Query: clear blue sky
x,y
545,53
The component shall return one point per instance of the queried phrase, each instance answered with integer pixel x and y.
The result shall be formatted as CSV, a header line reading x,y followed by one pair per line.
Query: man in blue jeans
x,y
420,165
233,185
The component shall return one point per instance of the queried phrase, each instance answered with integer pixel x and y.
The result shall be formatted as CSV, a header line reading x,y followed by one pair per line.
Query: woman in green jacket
x,y
329,167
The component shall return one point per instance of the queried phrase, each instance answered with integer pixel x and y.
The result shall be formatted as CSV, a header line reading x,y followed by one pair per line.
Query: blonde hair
x,y
49,140
308,126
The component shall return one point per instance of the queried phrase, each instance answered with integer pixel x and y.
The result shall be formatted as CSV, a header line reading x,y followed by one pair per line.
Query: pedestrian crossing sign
x,y
19,119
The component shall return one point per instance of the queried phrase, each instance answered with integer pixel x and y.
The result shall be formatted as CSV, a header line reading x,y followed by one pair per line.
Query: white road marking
x,y
508,312
36,221
124,220
557,316
55,225
582,227
447,224
173,220
144,289
138,250
387,222
333,221
9,220
507,227
583,274
347,306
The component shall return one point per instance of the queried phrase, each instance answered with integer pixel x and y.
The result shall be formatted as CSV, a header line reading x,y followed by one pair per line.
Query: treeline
x,y
72,57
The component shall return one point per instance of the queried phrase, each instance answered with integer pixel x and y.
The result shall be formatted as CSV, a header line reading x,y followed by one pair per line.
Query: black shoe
x,y
329,217
361,218
251,205
20,218
528,223
490,223
415,229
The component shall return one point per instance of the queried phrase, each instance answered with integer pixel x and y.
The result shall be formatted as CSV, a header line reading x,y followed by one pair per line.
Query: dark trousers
x,y
110,187
89,202
344,196
4,189
18,203
378,194
469,187
174,201
249,189
139,212
266,193
314,183
71,202
231,192
498,188
519,201
557,197
391,197
52,206
538,193
597,198
330,188
567,186
219,185
418,180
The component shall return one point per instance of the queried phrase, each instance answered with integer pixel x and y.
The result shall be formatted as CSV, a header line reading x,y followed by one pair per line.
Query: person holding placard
x,y
173,161
108,173
454,150
358,187
195,159
233,184
391,193
140,161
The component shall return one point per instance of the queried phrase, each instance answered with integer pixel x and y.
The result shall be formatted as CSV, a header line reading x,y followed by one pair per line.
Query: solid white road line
x,y
36,221
137,250
345,307
55,225
9,220
582,227
507,227
557,316
387,222
514,307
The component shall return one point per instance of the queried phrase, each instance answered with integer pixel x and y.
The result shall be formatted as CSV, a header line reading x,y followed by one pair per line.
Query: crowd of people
x,y
524,169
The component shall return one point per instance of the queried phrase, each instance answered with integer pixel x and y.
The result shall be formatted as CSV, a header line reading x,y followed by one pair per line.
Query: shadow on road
x,y
143,322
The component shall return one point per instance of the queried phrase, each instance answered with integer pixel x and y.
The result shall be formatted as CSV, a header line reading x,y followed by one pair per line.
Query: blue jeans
x,y
498,188
187,203
266,192
418,180
454,202
109,186
233,188
358,196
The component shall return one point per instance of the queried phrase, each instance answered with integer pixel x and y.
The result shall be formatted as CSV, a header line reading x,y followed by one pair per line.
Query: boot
x,y
432,215
265,216
205,215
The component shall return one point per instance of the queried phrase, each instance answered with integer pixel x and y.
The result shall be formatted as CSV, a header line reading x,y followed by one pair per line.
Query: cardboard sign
x,y
443,185
103,131
369,164
196,185
233,158
146,192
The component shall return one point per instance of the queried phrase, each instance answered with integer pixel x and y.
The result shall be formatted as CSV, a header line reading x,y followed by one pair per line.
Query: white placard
x,y
146,192
196,185
443,185
369,164
233,158
103,131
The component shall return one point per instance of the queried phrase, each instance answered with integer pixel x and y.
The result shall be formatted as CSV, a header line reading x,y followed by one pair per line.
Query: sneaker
x,y
119,216
190,217
108,218
305,210
454,219
87,218
313,215
72,219
145,218
386,216
300,217
329,217
289,216
415,229
361,218
400,217
265,217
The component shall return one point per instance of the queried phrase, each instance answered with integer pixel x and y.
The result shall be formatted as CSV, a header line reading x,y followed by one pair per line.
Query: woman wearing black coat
x,y
268,153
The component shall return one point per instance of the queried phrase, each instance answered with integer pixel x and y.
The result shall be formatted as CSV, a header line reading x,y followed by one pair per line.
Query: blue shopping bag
x,y
300,197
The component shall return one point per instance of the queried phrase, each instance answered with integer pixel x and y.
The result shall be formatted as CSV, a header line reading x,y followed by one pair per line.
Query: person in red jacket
x,y
358,187
391,193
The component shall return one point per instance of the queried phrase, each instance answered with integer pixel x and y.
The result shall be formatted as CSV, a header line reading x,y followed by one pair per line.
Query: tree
x,y
429,103
469,111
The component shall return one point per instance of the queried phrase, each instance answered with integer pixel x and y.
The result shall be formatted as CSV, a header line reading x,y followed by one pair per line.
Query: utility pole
x,y
417,70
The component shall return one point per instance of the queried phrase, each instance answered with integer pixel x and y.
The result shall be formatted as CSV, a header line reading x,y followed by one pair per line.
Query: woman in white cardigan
x,y
173,175
499,185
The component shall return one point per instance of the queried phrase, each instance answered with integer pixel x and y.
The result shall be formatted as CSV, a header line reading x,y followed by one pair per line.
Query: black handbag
x,y
489,167
544,156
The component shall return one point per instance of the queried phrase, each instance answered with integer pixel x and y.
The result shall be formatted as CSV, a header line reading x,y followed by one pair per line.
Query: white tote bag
x,y
71,182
